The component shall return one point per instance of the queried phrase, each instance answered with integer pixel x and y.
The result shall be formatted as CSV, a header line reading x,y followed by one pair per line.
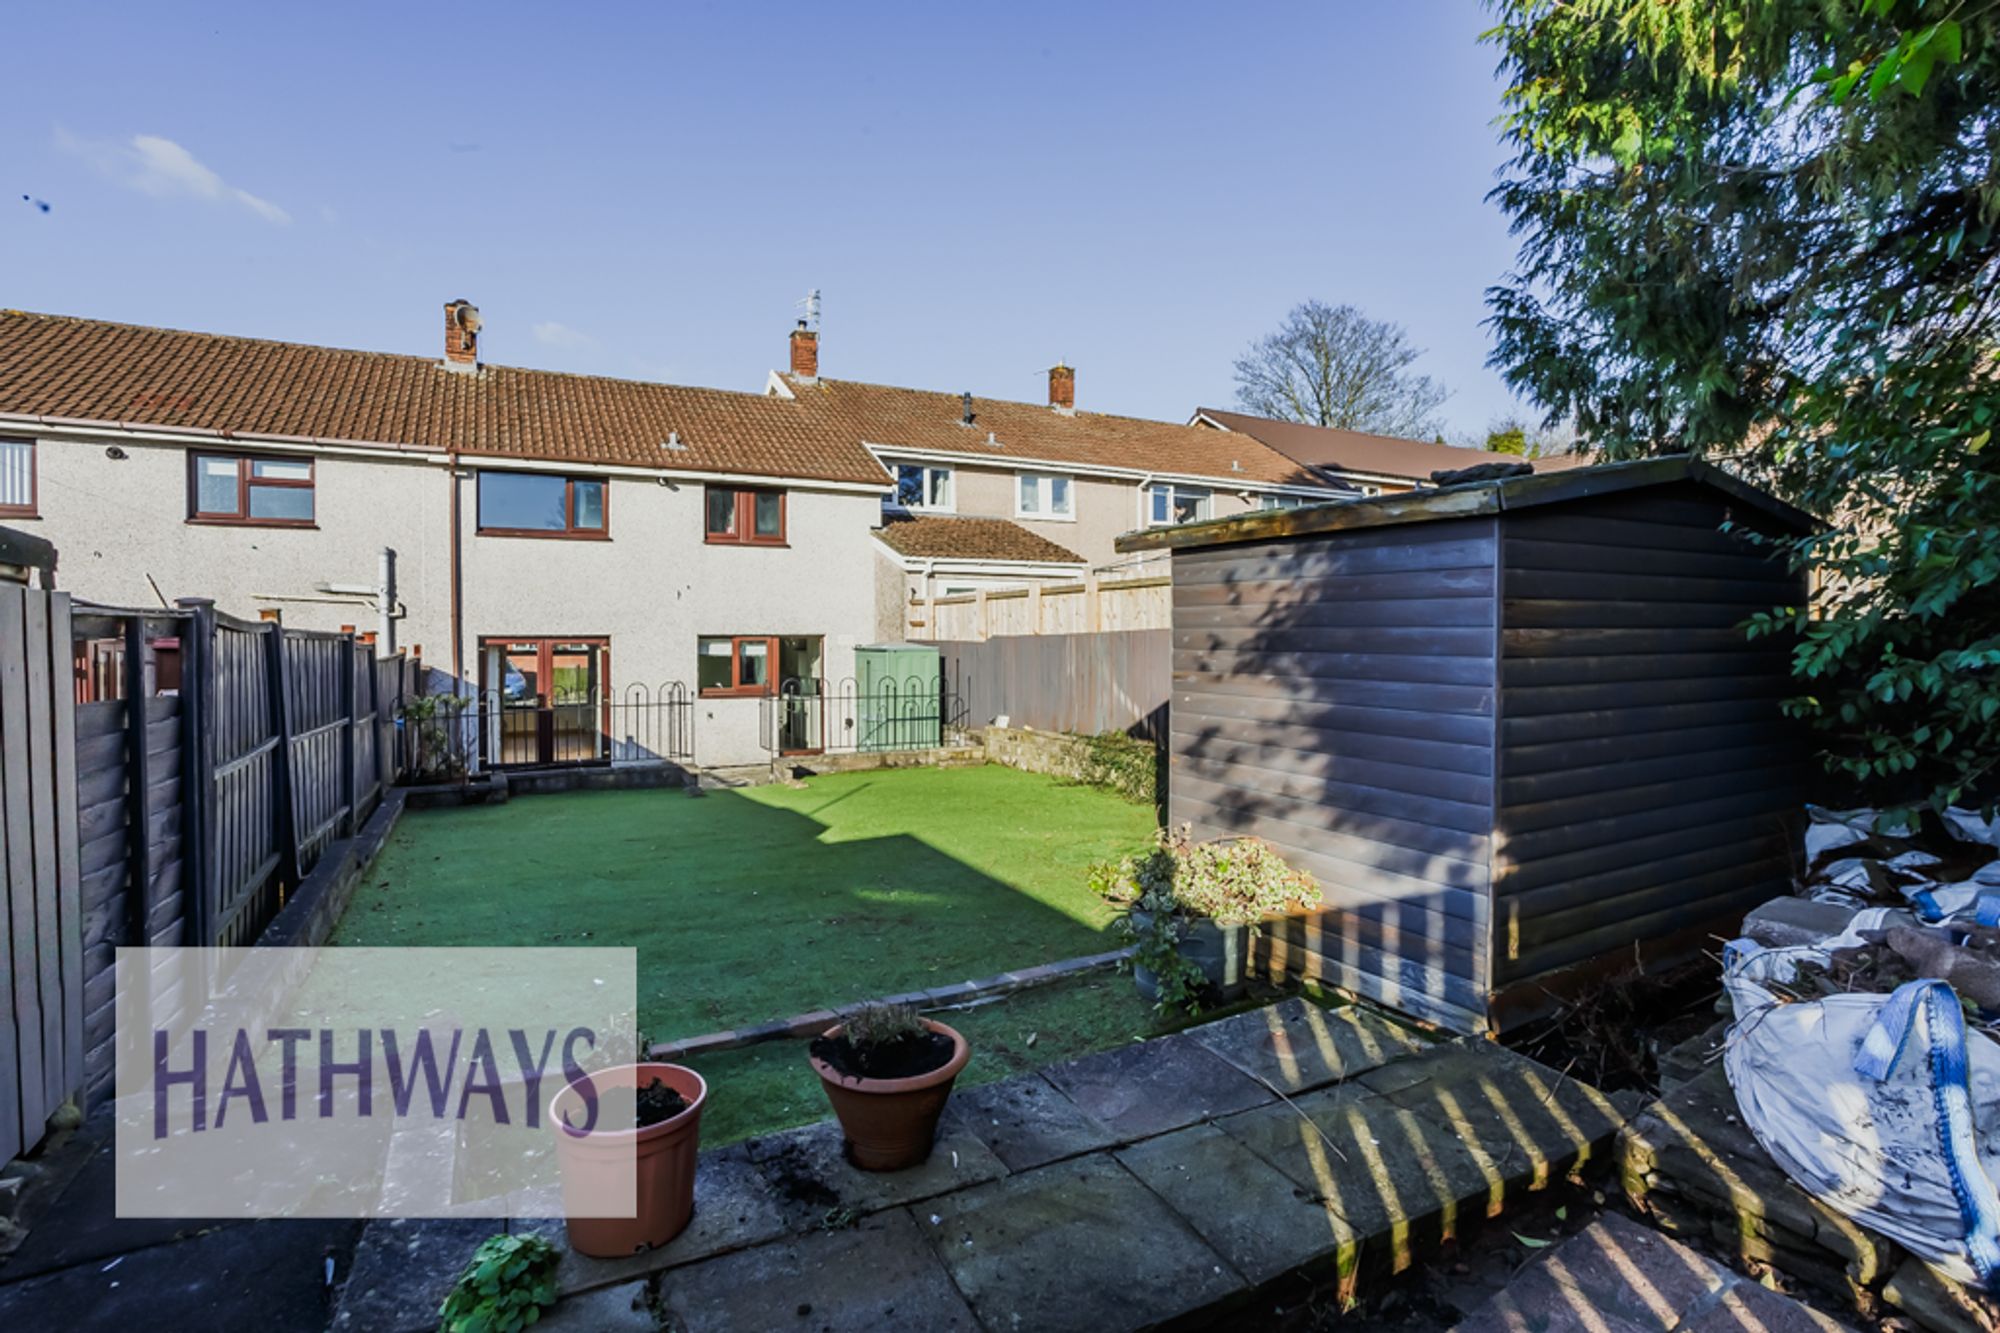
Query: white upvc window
x,y
17,478
921,488
1168,503
1269,501
1044,495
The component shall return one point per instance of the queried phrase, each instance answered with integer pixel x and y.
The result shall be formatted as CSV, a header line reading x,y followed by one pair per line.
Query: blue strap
x,y
1987,911
1927,907
1882,1049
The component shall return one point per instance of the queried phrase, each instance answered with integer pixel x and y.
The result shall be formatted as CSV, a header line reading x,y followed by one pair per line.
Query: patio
x,y
1190,1179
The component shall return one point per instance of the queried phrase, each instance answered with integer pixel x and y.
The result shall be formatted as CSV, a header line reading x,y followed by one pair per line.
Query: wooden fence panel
x,y
129,816
41,1051
248,824
1090,606
319,721
1083,683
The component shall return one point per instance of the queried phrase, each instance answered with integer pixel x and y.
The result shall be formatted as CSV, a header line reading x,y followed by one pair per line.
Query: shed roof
x,y
1467,500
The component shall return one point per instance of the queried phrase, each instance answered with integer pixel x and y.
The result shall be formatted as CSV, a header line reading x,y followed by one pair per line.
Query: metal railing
x,y
454,735
811,715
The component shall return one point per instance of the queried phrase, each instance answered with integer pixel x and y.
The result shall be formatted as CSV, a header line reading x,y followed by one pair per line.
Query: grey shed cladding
x,y
1512,728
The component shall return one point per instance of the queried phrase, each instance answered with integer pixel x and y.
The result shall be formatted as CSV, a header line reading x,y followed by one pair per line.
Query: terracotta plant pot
x,y
662,1155
890,1123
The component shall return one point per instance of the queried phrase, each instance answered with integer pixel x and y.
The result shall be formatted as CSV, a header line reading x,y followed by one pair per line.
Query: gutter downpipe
x,y
457,609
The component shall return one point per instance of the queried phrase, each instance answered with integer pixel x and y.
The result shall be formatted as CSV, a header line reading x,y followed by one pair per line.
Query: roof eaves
x,y
1468,500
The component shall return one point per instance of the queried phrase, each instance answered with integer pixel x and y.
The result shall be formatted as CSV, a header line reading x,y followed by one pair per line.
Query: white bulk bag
x,y
1884,1107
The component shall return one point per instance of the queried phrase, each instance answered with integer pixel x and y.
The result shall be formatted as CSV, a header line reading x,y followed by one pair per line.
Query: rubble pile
x,y
1852,1136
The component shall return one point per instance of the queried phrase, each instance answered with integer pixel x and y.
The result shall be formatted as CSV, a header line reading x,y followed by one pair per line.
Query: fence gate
x,y
41,966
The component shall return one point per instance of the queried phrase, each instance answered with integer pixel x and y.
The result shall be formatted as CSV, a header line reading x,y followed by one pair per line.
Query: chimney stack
x,y
461,335
1062,387
805,352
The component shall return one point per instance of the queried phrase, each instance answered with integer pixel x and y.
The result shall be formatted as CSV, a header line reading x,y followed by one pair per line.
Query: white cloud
x,y
162,168
551,334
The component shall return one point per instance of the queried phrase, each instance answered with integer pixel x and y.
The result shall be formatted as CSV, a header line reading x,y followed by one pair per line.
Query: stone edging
x,y
819,1020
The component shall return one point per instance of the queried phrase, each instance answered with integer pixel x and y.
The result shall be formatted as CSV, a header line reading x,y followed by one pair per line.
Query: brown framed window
x,y
735,664
746,517
543,504
17,478
244,488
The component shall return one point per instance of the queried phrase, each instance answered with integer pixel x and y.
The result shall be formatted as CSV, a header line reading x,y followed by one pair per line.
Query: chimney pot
x,y
461,334
805,352
1062,387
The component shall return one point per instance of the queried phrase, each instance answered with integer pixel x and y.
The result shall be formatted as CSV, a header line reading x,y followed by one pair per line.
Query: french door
x,y
545,700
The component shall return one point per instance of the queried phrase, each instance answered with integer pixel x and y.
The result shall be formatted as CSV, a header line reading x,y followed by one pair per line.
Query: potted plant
x,y
887,1072
648,1120
1190,906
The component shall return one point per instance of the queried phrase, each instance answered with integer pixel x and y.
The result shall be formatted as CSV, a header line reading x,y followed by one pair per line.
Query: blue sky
x,y
646,191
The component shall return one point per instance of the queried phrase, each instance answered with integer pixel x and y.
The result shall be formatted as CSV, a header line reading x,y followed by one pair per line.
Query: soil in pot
x,y
621,1108
909,1057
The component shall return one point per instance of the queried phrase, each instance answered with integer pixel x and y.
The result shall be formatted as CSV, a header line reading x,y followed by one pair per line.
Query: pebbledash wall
x,y
652,589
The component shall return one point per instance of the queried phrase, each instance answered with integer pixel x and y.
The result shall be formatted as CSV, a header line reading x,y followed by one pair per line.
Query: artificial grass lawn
x,y
760,903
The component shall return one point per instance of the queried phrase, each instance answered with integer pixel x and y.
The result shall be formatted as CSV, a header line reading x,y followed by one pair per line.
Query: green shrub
x,y
1117,762
1233,880
505,1288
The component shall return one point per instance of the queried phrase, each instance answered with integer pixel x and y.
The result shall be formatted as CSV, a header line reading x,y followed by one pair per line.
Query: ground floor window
x,y
727,664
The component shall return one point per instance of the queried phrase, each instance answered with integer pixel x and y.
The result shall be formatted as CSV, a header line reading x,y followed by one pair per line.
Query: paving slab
x,y
1297,1046
1398,1180
1150,1087
1617,1276
734,1207
403,1268
1749,1308
624,1309
1027,1123
880,1274
1077,1245
810,1176
1256,1217
259,1275
1524,1121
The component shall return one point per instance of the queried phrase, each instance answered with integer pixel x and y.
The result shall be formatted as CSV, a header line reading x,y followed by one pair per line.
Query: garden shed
x,y
1513,727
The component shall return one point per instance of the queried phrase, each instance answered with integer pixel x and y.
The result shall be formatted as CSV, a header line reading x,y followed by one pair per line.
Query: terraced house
x,y
993,494
564,542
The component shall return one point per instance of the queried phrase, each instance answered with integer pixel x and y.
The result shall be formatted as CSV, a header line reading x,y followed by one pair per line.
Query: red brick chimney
x,y
461,334
805,352
1062,387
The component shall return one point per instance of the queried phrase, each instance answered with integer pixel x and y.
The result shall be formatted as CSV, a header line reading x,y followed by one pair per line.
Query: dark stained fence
x,y
42,992
215,761
128,779
1084,683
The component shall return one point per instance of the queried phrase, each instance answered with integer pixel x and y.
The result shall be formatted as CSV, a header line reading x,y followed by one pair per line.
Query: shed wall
x,y
1334,696
1647,781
